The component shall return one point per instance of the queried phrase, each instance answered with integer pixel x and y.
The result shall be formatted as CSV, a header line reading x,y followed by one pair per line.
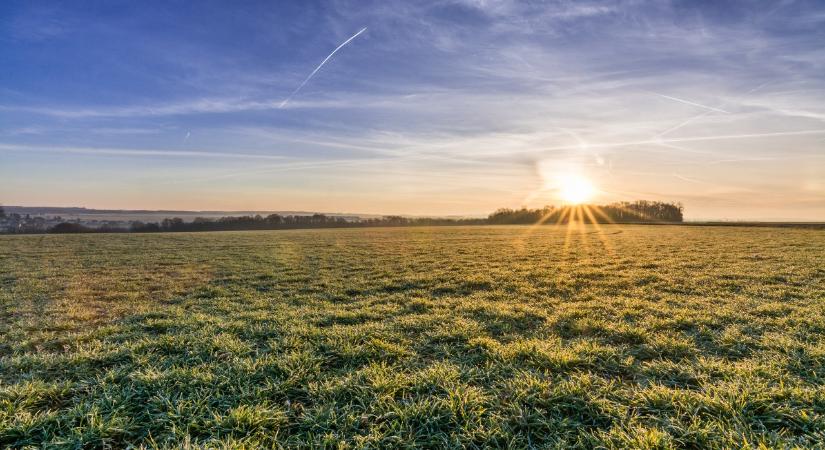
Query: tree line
x,y
279,222
641,211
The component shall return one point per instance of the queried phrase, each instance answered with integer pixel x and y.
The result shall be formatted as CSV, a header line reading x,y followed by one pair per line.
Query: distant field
x,y
634,336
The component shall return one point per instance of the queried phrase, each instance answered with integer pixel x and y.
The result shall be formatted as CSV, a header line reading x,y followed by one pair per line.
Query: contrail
x,y
699,116
283,103
710,108
690,180
676,127
675,140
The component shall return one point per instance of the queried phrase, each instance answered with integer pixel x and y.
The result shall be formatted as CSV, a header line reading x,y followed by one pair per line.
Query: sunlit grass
x,y
571,336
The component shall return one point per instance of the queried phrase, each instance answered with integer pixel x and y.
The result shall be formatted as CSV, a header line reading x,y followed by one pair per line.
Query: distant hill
x,y
155,215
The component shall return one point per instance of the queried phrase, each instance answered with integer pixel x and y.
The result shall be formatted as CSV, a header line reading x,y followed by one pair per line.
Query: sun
x,y
575,189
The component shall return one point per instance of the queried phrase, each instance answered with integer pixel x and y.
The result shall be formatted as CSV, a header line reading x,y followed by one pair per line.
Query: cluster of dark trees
x,y
279,222
641,211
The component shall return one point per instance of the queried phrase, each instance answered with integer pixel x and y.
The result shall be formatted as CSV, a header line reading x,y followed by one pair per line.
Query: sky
x,y
452,107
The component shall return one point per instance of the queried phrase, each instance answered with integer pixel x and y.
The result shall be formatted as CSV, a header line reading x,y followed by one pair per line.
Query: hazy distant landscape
x,y
20,220
86,215
27,220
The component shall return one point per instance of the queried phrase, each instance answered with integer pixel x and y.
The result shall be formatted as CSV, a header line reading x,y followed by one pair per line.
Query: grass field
x,y
638,336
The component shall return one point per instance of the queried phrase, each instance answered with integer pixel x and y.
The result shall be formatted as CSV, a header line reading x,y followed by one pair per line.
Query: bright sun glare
x,y
575,189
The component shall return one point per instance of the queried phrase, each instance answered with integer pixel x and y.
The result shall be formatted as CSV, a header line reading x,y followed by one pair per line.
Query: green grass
x,y
649,337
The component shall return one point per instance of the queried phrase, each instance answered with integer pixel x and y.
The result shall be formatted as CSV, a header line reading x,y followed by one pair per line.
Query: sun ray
x,y
599,231
543,219
598,211
520,241
571,225
581,227
564,213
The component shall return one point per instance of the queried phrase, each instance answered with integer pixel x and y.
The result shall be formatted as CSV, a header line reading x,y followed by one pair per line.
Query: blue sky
x,y
443,107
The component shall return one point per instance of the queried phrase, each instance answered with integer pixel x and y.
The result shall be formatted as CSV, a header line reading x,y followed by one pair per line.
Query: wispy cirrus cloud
x,y
164,153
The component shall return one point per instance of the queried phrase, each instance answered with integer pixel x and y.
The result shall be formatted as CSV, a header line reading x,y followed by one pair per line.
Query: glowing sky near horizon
x,y
443,107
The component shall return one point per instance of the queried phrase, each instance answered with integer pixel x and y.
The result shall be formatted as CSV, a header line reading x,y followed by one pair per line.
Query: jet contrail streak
x,y
676,127
675,140
283,103
710,108
699,116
